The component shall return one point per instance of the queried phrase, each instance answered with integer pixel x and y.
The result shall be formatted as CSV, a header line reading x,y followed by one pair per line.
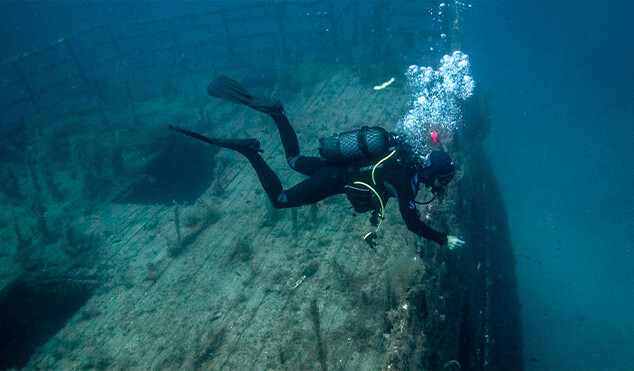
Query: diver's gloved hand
x,y
454,242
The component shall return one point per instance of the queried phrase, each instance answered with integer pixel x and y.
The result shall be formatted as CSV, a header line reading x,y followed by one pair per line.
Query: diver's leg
x,y
304,164
287,133
325,183
230,90
249,148
269,180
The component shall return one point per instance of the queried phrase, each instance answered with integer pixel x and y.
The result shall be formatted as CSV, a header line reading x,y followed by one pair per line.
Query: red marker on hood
x,y
434,136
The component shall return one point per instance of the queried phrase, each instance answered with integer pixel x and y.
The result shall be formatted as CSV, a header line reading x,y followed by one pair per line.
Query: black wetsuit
x,y
327,180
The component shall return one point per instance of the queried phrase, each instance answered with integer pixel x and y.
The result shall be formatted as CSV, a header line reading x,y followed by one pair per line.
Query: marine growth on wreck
x,y
129,246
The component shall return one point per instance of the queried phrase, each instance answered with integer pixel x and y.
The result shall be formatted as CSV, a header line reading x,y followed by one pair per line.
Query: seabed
x,y
225,281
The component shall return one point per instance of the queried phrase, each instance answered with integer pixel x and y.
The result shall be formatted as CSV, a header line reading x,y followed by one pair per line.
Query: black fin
x,y
230,90
239,145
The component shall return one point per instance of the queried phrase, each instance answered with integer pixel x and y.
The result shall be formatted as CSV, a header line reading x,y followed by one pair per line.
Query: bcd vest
x,y
364,182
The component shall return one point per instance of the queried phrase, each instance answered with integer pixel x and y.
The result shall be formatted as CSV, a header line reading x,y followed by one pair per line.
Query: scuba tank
x,y
367,142
365,150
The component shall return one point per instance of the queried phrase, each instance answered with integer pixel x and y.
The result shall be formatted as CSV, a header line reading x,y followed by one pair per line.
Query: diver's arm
x,y
405,196
411,216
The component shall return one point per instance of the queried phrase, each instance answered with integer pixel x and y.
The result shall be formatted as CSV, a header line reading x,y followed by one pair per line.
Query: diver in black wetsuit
x,y
399,176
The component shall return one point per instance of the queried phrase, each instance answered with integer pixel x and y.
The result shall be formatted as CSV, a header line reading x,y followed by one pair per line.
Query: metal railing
x,y
115,66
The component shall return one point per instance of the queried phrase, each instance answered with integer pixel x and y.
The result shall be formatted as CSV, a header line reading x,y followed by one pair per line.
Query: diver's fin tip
x,y
226,88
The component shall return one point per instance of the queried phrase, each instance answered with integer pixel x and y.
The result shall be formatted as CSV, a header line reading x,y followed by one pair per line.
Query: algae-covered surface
x,y
222,280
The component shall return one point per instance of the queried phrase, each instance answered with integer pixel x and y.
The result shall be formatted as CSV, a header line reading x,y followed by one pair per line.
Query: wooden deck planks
x,y
201,291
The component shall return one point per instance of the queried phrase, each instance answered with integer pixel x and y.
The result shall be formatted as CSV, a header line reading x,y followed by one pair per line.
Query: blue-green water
x,y
561,77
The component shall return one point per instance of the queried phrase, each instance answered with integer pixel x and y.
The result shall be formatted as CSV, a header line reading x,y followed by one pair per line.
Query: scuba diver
x,y
369,165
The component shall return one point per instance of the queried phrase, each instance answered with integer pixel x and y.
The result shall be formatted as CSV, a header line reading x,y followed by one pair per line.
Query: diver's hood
x,y
440,163
438,169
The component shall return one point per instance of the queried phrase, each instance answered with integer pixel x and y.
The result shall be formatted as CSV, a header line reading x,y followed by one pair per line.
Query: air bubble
x,y
436,97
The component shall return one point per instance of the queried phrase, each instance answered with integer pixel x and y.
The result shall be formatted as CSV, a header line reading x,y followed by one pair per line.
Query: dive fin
x,y
230,90
239,145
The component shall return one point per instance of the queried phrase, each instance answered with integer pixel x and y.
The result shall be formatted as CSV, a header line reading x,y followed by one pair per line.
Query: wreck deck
x,y
254,288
